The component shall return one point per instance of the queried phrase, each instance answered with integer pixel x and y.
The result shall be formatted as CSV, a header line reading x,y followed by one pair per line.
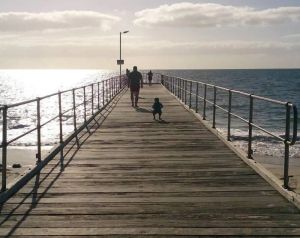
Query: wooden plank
x,y
138,177
152,231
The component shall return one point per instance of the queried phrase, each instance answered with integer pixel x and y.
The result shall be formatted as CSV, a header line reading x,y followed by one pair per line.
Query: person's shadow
x,y
162,121
144,110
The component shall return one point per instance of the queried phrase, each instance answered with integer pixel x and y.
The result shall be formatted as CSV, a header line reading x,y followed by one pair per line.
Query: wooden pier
x,y
135,176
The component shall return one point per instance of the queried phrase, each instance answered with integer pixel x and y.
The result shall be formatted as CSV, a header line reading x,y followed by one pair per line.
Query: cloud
x,y
230,47
26,21
187,14
91,46
292,37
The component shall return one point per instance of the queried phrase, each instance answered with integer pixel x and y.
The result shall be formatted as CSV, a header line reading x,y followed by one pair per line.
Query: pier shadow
x,y
57,169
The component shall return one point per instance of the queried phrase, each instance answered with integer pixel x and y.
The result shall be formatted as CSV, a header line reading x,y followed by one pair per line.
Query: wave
x,y
262,144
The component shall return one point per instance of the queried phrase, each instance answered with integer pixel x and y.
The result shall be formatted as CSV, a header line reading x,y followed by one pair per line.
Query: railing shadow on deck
x,y
92,104
74,106
37,195
193,93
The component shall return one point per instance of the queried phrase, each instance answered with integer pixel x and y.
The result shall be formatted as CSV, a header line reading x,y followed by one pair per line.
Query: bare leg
x,y
131,96
136,99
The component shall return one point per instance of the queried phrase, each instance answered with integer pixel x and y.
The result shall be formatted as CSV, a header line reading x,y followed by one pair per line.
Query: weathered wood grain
x,y
137,177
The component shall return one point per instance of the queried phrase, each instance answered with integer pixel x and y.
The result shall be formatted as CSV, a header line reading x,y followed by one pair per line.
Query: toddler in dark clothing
x,y
157,106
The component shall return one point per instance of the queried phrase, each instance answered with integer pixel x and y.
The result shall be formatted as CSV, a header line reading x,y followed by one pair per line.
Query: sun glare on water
x,y
20,85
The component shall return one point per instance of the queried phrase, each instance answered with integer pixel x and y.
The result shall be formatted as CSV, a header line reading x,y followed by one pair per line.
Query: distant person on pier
x,y
127,72
157,106
135,82
127,76
150,75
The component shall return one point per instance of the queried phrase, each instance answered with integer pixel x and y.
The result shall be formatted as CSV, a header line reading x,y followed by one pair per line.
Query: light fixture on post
x,y
120,61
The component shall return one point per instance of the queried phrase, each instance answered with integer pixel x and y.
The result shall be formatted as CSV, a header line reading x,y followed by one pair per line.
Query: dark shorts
x,y
157,111
135,89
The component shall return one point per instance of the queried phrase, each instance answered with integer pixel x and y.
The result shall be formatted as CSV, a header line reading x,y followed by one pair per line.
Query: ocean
x,y
279,84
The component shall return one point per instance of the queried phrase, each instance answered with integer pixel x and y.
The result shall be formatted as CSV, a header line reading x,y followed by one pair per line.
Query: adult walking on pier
x,y
150,75
135,82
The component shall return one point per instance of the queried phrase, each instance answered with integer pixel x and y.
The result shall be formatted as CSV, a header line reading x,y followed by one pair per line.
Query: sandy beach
x,y
275,165
23,156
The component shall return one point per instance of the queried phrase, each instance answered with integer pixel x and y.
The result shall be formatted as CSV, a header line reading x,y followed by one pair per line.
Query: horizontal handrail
x,y
91,103
49,95
227,89
178,86
21,136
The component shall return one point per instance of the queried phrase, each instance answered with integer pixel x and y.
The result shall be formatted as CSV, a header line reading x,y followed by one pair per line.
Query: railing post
x,y
173,85
98,90
106,91
197,95
103,96
250,151
113,85
229,116
74,115
4,148
185,89
92,88
191,87
204,102
38,126
61,140
116,88
84,103
286,148
214,107
178,87
167,83
109,89
182,90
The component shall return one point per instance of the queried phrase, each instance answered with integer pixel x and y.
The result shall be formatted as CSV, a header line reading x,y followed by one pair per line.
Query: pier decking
x,y
138,177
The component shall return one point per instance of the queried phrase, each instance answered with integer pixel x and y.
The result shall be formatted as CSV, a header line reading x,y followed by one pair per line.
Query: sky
x,y
163,34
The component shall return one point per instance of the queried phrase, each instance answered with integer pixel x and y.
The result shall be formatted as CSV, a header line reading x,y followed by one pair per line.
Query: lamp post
x,y
120,62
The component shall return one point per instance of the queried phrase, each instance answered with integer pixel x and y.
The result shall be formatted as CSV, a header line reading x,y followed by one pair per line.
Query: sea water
x,y
279,84
22,85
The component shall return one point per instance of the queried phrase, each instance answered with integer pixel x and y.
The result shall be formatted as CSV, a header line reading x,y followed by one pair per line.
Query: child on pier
x,y
157,106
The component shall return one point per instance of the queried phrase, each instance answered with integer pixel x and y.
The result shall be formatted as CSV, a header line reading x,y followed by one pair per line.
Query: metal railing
x,y
185,90
156,78
94,97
